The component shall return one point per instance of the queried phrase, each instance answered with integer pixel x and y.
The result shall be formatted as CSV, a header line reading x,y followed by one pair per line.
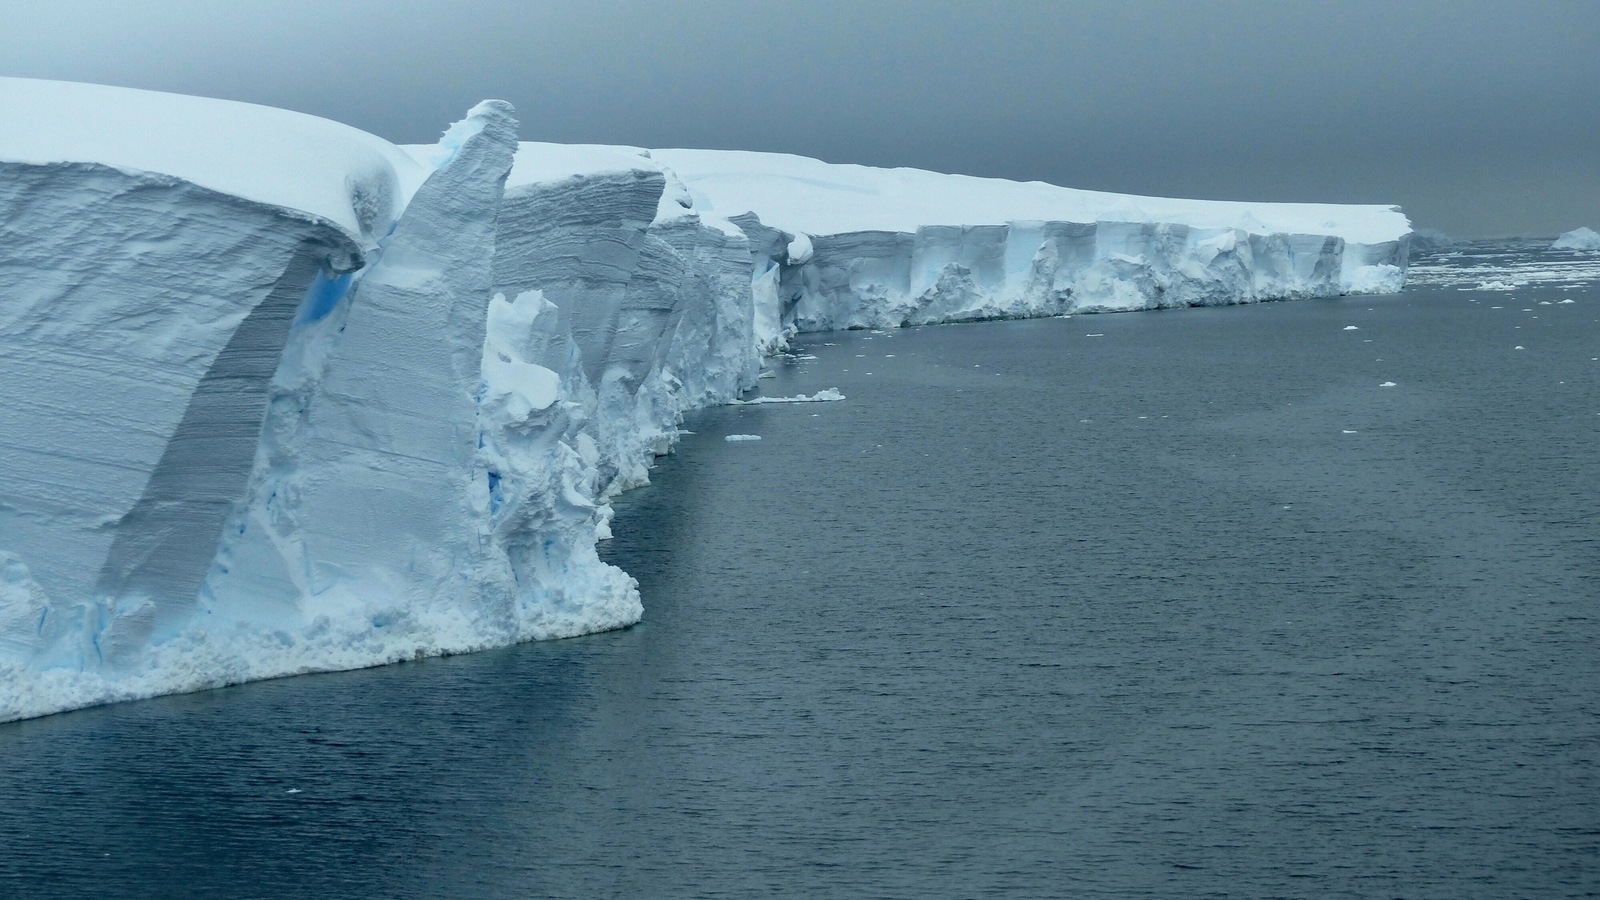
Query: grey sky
x,y
1479,118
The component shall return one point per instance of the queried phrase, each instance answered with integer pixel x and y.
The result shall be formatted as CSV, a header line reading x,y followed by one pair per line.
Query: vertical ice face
x,y
424,485
861,247
141,322
872,279
362,505
655,302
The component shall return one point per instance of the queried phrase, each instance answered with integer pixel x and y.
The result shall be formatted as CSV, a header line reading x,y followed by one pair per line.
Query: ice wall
x,y
652,306
239,459
142,319
854,247
282,397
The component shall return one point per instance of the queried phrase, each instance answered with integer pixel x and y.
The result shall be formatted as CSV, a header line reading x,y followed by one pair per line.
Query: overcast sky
x,y
1478,118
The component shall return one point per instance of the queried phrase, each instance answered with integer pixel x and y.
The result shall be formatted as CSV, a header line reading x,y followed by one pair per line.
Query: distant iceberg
x,y
284,397
1432,239
1578,239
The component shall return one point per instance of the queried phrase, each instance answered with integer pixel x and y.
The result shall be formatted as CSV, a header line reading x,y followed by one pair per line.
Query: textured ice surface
x,y
282,397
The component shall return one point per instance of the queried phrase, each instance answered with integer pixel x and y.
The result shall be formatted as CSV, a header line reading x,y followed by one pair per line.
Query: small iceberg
x,y
1387,384
736,438
1352,328
828,396
1578,239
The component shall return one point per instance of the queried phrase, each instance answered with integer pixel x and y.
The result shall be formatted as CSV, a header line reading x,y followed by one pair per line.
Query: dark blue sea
x,y
1170,604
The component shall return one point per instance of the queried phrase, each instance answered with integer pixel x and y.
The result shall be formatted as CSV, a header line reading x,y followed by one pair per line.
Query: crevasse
x,y
295,399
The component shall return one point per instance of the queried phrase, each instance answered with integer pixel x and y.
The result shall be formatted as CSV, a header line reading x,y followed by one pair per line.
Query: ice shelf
x,y
283,397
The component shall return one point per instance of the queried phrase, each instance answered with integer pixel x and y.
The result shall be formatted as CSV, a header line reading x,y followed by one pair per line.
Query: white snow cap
x,y
540,162
358,181
808,196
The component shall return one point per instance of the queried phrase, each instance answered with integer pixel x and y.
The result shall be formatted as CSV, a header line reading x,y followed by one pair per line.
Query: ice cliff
x,y
853,246
283,397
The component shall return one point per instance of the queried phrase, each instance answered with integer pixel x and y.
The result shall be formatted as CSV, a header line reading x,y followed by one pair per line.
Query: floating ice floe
x,y
738,438
1352,328
826,396
1387,384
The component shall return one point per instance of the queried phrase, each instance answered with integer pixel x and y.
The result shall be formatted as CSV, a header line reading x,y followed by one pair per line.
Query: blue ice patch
x,y
322,296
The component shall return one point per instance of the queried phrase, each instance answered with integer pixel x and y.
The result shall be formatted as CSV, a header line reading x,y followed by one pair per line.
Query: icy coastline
x,y
283,397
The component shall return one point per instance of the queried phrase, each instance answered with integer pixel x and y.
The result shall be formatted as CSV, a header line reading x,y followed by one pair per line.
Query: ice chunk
x,y
1387,384
736,438
1578,239
824,396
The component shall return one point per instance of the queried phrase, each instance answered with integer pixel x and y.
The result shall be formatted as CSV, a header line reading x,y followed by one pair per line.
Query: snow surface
x,y
1578,239
808,196
362,403
313,166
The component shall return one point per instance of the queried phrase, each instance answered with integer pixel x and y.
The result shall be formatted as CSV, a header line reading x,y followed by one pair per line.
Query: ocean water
x,y
1183,603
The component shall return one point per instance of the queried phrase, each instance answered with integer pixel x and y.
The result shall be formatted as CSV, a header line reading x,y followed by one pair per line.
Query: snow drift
x,y
283,397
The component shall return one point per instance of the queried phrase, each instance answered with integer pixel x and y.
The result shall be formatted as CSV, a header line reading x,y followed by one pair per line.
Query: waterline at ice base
x,y
283,397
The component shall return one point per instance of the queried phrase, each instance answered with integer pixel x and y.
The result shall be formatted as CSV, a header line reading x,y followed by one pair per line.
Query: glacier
x,y
284,397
